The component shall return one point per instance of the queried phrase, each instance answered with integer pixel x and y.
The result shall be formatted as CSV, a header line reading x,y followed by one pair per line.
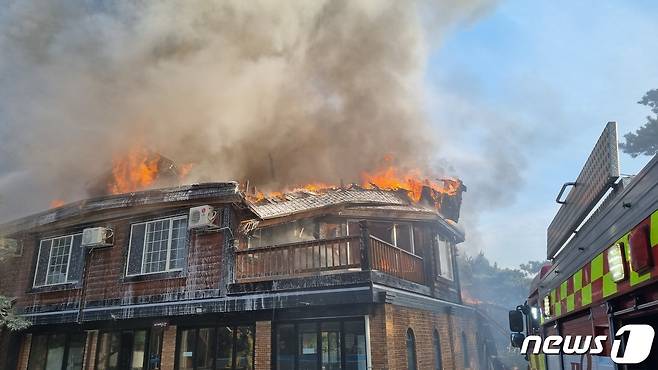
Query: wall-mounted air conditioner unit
x,y
97,237
202,217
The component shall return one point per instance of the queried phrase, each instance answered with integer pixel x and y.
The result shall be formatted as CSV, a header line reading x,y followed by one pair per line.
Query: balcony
x,y
327,256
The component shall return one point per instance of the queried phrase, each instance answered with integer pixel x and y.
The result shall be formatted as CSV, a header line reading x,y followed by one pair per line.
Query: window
x,y
130,349
438,361
59,261
216,348
157,246
327,345
411,350
399,235
57,351
291,232
444,258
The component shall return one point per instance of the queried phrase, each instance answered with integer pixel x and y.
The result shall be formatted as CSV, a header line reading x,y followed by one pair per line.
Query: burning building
x,y
213,276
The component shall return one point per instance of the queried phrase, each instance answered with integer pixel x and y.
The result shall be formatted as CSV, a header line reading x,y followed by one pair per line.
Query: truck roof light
x,y
616,263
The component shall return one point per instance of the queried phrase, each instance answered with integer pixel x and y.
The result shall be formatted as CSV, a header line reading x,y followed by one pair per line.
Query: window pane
x,y
76,261
244,348
355,345
139,349
178,244
38,352
285,347
330,333
382,231
186,350
155,247
76,351
42,262
155,348
59,260
446,261
403,237
205,349
224,348
411,350
108,352
308,347
137,234
55,357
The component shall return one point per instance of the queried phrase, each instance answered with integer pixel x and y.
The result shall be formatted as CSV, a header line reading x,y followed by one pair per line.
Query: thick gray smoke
x,y
276,92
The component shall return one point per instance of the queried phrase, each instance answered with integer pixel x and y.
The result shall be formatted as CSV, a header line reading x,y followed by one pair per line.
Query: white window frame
x,y
145,223
50,251
441,242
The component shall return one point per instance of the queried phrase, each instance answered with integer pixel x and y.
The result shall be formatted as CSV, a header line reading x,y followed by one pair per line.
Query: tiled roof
x,y
297,202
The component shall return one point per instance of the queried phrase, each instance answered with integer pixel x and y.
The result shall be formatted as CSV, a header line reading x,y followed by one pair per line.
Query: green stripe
x,y
597,267
578,280
586,294
571,303
654,229
563,290
609,286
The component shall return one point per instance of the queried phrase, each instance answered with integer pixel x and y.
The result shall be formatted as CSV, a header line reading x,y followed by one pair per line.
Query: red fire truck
x,y
603,272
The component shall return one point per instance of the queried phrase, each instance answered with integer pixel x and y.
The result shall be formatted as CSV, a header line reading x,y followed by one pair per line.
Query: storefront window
x,y
326,345
285,347
129,349
244,348
355,345
216,347
330,345
186,350
224,348
205,349
57,351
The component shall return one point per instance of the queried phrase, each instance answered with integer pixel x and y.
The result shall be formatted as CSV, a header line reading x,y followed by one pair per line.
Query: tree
x,y
645,139
8,318
532,268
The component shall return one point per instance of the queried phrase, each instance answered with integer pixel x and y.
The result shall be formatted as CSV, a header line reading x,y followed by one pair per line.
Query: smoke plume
x,y
274,92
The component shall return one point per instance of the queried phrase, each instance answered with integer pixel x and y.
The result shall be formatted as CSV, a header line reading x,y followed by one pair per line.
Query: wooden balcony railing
x,y
395,261
298,259
315,257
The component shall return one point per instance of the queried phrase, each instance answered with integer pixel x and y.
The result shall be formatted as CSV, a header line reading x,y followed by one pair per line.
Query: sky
x,y
548,75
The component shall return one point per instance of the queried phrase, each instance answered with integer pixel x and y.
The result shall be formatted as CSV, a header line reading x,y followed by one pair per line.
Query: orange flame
x,y
137,170
389,177
413,181
56,203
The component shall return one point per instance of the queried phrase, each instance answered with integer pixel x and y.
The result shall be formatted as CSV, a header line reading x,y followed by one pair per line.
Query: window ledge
x,y
444,280
156,276
54,288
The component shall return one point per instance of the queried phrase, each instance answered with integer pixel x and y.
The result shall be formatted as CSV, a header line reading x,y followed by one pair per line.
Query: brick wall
x,y
106,269
388,329
90,350
168,348
263,350
24,352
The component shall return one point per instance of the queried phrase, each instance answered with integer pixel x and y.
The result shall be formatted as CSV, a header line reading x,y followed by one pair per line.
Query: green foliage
x,y
645,139
8,318
491,284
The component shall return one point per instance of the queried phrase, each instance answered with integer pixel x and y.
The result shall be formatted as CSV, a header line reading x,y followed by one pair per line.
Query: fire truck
x,y
603,272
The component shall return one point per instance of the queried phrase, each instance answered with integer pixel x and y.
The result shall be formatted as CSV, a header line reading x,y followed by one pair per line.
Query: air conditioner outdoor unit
x,y
202,217
97,237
